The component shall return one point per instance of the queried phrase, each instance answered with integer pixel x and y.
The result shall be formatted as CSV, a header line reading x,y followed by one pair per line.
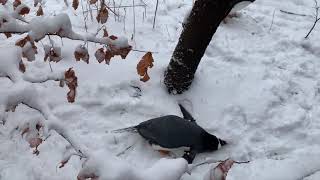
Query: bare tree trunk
x,y
202,23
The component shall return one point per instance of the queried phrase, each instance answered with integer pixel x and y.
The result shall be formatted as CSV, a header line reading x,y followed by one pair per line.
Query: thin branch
x,y
292,13
125,150
122,6
134,20
155,15
310,174
274,12
137,50
212,161
317,18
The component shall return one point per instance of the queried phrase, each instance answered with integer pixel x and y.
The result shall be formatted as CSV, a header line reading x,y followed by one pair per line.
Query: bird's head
x,y
213,143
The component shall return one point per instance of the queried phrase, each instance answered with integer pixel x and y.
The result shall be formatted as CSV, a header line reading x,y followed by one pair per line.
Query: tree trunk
x,y
202,23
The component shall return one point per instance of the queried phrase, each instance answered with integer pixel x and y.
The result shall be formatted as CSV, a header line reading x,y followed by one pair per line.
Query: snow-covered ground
x,y
257,87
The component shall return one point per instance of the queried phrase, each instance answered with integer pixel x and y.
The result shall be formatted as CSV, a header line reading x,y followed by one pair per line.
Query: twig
x,y
66,2
125,150
317,18
155,14
52,46
137,50
212,161
292,13
134,20
121,6
84,17
274,12
309,174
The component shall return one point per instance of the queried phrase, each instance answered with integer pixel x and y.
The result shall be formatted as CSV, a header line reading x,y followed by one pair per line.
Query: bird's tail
x,y
132,129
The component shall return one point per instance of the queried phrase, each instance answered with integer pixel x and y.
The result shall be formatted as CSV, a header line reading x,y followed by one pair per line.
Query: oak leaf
x,y
8,35
81,53
93,1
103,15
143,65
75,4
108,55
72,83
23,11
113,37
53,53
100,55
40,11
86,176
16,3
105,33
22,67
3,2
220,172
22,42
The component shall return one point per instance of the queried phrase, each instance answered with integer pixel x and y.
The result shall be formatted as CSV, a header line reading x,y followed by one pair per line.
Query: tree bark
x,y
199,28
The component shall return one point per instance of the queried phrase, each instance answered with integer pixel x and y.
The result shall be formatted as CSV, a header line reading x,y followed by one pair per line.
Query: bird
x,y
171,132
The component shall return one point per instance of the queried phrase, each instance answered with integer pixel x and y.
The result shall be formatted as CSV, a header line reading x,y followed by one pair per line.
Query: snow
x,y
257,87
11,56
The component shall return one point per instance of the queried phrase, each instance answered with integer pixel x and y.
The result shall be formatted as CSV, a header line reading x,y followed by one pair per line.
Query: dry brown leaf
x,y
22,67
28,52
123,52
53,53
105,33
99,54
220,172
113,37
16,3
93,1
25,130
81,53
8,35
143,65
75,4
35,142
40,11
145,78
103,15
108,56
23,41
3,2
91,176
25,10
72,83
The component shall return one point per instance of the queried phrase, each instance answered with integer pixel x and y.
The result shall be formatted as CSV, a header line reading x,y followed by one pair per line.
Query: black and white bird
x,y
172,132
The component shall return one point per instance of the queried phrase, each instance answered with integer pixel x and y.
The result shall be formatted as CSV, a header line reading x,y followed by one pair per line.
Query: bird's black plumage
x,y
174,132
186,114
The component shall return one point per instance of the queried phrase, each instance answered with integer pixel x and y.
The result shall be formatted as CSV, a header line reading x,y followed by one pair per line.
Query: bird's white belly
x,y
159,148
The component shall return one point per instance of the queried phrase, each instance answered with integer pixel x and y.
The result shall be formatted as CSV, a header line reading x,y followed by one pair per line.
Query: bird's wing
x,y
186,114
